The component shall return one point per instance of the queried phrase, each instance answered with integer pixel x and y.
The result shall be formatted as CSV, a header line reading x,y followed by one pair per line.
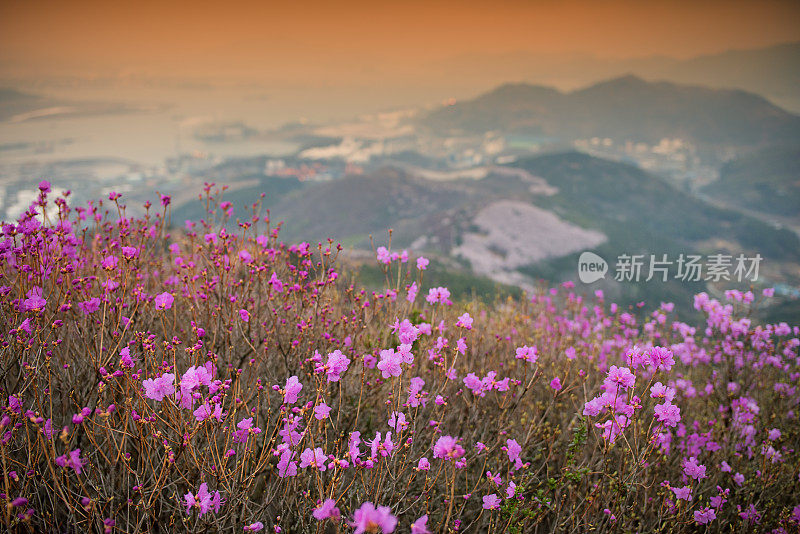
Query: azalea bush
x,y
212,378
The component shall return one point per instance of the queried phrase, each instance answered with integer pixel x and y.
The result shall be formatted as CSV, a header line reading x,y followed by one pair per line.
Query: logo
x,y
591,267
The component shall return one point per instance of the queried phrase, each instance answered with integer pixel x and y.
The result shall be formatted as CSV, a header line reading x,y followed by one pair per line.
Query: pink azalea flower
x,y
491,502
667,413
313,458
514,449
465,321
72,459
130,253
352,445
203,500
15,404
660,391
160,387
411,296
383,255
438,294
325,510
292,389
397,421
621,376
336,366
529,354
195,377
205,411
494,477
704,516
245,428
390,363
415,394
684,493
89,306
275,283
384,447
286,467
404,350
25,325
511,490
475,384
407,333
447,448
322,411
694,470
34,302
109,263
164,301
661,358
751,514
370,519
126,360
420,526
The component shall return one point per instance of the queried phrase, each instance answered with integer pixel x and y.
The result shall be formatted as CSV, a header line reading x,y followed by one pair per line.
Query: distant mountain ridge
x,y
623,108
771,71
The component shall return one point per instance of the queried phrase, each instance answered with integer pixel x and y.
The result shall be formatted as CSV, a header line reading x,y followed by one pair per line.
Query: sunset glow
x,y
365,40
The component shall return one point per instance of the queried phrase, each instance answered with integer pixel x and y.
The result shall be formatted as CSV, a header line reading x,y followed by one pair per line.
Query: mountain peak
x,y
620,83
627,79
521,90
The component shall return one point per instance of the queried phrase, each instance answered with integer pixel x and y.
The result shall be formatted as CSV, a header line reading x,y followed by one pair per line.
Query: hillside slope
x,y
767,181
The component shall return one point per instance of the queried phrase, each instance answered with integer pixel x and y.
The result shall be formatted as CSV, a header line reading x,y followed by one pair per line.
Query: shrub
x,y
220,380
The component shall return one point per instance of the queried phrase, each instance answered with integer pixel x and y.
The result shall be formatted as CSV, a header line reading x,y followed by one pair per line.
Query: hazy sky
x,y
297,40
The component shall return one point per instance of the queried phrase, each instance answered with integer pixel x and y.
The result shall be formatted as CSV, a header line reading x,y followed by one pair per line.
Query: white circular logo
x,y
591,267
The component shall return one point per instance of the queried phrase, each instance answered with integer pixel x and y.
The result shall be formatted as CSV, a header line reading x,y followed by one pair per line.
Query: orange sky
x,y
201,38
